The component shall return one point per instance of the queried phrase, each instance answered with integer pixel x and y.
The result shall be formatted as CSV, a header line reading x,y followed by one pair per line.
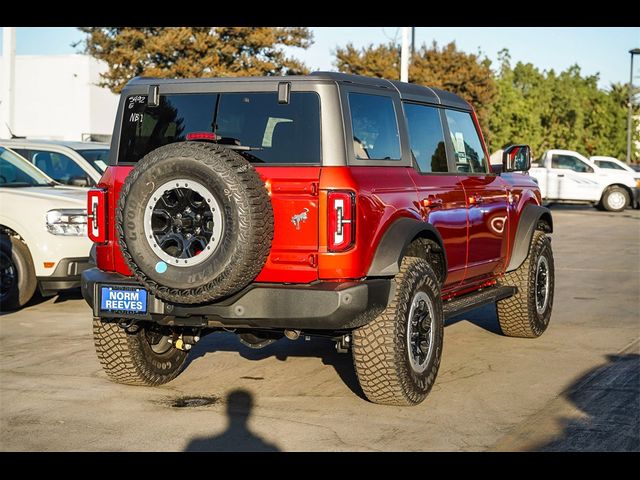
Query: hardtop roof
x,y
407,91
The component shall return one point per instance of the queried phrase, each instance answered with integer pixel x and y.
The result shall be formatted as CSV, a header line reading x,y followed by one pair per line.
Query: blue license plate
x,y
123,299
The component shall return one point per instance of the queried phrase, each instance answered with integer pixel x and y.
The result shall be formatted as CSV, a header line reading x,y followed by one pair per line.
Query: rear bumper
x,y
318,306
65,276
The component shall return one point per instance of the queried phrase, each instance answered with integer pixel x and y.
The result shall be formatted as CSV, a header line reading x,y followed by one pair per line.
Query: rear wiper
x,y
244,148
234,144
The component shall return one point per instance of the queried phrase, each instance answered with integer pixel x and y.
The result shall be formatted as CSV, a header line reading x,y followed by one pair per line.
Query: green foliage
x,y
182,52
447,68
566,110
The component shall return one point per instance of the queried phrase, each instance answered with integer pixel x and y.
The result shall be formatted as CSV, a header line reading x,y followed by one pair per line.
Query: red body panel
x,y
294,251
443,202
488,225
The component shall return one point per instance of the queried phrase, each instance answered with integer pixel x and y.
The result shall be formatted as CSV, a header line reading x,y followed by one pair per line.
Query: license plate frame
x,y
132,302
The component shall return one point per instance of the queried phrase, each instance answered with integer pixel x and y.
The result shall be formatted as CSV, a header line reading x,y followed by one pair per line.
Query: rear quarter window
x,y
375,127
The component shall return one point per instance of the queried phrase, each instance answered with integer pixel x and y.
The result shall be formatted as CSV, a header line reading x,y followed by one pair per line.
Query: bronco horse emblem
x,y
299,217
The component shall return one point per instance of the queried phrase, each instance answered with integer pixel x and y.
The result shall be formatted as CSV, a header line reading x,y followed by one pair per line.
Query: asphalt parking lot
x,y
575,388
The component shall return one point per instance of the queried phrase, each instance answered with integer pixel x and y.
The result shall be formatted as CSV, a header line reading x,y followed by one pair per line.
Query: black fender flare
x,y
390,249
529,218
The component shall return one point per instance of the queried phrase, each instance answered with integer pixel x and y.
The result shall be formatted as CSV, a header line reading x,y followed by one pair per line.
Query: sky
x,y
595,49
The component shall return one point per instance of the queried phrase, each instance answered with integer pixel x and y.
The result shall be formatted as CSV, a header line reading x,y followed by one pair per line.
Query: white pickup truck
x,y
568,177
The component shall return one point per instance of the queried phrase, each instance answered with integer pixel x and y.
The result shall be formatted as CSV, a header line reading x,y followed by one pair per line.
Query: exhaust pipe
x,y
292,334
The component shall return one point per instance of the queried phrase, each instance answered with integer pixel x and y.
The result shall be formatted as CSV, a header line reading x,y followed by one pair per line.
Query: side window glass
x,y
375,129
58,166
426,137
569,162
470,157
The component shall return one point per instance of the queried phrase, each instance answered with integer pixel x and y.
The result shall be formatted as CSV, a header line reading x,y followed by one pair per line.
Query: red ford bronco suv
x,y
359,209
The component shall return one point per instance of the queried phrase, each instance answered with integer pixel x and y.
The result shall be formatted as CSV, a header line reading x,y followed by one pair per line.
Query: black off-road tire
x,y
128,358
380,351
518,315
18,258
246,213
604,201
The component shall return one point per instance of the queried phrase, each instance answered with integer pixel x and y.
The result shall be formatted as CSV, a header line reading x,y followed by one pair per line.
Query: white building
x,y
57,97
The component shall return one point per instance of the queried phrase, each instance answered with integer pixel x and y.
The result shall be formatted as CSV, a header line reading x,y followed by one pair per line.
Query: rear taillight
x,y
96,215
342,217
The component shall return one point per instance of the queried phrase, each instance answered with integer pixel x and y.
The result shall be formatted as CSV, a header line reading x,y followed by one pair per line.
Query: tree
x,y
447,68
548,110
194,51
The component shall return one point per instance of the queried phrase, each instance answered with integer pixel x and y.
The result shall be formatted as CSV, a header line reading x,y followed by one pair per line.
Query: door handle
x,y
476,199
432,202
560,175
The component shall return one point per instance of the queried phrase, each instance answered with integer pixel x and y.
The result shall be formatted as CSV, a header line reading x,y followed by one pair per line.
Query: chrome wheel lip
x,y
616,200
214,206
414,335
542,283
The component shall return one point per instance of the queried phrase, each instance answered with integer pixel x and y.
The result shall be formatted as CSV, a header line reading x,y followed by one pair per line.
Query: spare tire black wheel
x,y
194,222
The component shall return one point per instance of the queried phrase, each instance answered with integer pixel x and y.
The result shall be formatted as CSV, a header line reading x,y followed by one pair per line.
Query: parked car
x,y
353,208
569,177
69,163
614,164
43,238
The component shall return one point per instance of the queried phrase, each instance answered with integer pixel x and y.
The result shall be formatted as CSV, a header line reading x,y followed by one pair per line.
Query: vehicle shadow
x,y
322,348
589,209
485,317
610,397
38,299
237,437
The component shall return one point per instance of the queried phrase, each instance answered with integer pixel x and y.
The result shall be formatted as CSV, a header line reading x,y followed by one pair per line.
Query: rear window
x,y
254,124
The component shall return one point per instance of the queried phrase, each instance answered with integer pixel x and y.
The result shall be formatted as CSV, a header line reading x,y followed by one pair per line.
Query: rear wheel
x,y
397,355
527,313
615,199
17,275
141,357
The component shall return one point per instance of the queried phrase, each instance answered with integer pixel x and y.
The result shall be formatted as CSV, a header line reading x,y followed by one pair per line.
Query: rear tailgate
x,y
294,196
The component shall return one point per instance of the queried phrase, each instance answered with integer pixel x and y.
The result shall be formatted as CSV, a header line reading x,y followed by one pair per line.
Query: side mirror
x,y
516,158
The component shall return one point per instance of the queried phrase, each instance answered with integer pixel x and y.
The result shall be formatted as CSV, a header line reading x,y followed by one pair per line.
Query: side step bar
x,y
465,303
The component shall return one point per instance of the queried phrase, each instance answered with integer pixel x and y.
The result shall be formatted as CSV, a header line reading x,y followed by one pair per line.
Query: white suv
x,y
79,164
43,238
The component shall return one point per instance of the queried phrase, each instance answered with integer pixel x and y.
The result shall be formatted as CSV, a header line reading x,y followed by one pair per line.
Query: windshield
x,y
15,171
99,158
254,124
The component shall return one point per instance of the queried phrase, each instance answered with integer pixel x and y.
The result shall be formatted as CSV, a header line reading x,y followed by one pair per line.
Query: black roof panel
x,y
408,91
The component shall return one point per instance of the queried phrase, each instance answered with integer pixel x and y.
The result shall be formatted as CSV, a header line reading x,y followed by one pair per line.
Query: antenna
x,y
13,135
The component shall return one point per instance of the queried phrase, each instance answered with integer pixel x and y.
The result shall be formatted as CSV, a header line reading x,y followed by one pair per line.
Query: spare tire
x,y
194,222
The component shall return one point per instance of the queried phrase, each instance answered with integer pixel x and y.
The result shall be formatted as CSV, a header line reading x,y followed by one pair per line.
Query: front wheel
x,y
17,274
615,199
397,355
527,313
141,357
